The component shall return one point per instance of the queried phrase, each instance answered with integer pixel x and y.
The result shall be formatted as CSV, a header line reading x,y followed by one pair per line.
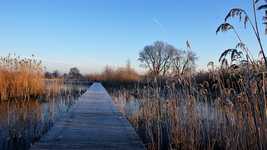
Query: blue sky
x,y
90,34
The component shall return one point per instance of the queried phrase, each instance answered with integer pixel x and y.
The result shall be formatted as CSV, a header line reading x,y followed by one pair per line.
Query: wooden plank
x,y
92,123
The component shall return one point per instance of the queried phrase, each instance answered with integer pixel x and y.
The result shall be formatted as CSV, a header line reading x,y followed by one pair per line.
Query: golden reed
x,y
20,77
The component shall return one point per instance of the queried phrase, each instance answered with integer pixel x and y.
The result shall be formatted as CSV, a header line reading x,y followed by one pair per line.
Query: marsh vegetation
x,y
215,110
30,103
23,122
173,106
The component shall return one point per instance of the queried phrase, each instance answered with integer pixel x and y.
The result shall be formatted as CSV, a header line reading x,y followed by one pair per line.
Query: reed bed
x,y
219,109
29,103
20,77
23,78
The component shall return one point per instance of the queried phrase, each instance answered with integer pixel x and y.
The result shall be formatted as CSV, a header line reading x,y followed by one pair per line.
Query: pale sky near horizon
x,y
90,34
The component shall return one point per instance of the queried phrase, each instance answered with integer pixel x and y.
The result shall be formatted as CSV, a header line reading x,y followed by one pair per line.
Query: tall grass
x,y
220,109
20,77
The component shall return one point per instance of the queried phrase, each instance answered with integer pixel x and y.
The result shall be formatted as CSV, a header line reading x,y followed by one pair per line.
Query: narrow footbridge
x,y
93,123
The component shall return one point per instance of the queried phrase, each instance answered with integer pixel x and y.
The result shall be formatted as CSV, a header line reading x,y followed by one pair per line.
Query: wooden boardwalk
x,y
93,123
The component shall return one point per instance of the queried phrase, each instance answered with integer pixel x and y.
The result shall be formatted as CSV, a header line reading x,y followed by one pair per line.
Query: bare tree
x,y
56,74
158,57
184,61
74,73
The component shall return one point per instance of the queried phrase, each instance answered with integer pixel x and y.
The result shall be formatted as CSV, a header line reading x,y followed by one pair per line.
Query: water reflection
x,y
23,122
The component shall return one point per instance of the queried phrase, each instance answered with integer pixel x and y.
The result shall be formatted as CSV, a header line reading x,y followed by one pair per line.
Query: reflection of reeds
x,y
18,120
53,87
20,77
23,122
215,110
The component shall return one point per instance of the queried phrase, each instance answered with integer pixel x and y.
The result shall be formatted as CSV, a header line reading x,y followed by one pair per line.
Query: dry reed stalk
x,y
23,78
20,77
224,111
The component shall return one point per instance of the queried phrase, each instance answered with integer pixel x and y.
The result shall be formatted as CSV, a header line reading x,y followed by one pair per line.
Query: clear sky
x,y
90,34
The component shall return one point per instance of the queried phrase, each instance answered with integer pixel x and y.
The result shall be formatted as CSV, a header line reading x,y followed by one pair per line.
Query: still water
x,y
23,122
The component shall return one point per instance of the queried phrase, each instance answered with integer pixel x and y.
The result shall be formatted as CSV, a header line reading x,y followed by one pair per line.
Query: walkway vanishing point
x,y
93,123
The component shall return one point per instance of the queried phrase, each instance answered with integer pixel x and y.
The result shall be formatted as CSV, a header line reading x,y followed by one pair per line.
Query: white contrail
x,y
157,22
